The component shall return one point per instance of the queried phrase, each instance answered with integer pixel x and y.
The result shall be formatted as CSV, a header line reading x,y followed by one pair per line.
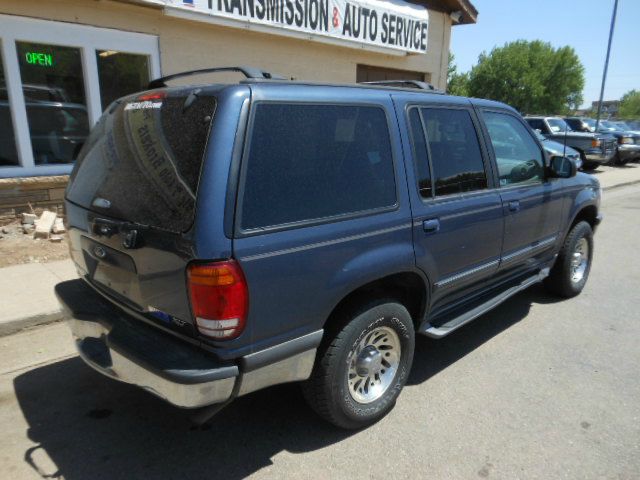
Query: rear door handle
x,y
514,206
431,226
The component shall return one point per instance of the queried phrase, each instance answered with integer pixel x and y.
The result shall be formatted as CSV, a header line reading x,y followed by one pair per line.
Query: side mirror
x,y
562,167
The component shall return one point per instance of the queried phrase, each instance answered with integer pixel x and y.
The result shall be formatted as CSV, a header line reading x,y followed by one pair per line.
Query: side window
x,y
421,159
310,162
455,153
518,156
537,124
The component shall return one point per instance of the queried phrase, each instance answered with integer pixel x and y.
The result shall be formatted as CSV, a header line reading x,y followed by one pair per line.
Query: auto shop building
x,y
63,61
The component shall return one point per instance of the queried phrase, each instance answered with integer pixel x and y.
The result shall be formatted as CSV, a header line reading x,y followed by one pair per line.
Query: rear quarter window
x,y
309,162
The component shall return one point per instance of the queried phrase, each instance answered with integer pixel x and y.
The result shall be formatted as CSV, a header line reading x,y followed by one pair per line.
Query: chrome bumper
x,y
596,155
93,346
124,348
628,152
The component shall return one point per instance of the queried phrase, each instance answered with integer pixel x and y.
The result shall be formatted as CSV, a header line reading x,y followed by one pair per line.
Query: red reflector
x,y
219,298
152,96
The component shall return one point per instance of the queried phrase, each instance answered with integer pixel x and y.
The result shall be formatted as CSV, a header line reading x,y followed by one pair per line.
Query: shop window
x,y
121,74
53,87
8,153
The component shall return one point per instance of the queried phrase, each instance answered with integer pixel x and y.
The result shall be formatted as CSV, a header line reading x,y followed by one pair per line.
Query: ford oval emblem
x,y
100,252
101,203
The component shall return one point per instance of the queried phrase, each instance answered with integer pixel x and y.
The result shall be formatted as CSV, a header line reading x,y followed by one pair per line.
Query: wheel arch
x,y
409,288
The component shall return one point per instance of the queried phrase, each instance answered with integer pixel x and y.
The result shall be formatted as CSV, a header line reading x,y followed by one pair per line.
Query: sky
x,y
581,24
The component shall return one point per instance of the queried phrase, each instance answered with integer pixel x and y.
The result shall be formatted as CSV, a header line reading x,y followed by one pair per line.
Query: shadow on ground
x,y
93,427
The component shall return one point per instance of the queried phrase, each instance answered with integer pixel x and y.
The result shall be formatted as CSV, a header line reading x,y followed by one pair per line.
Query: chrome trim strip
x,y
461,275
326,243
529,249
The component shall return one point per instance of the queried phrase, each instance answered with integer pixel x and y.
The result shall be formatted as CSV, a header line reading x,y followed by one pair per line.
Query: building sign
x,y
391,24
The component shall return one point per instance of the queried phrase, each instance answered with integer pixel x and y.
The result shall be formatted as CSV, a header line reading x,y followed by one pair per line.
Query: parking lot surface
x,y
538,388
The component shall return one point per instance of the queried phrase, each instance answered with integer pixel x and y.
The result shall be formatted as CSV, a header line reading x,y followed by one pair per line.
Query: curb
x,y
620,185
9,327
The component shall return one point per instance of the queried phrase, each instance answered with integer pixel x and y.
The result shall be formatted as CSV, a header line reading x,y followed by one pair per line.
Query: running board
x,y
455,323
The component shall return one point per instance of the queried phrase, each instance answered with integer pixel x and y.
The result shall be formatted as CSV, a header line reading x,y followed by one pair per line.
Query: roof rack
x,y
249,72
405,83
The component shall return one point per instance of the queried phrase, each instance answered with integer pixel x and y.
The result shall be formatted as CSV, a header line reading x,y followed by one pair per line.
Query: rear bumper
x,y
122,347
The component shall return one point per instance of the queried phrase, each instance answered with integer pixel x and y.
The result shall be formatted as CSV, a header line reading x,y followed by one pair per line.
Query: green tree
x,y
630,105
533,77
457,83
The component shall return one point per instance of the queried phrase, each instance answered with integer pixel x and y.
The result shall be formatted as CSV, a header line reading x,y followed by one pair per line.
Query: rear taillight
x,y
219,298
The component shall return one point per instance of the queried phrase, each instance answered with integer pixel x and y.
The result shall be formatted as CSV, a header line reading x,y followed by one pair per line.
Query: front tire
x,y
571,270
362,365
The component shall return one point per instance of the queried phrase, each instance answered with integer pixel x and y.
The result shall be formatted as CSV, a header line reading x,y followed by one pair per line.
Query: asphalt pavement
x,y
537,389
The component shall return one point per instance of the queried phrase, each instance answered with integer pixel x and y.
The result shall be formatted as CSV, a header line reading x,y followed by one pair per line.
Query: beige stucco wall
x,y
186,44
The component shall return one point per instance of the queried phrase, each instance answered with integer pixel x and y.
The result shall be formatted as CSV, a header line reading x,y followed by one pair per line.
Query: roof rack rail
x,y
249,72
405,83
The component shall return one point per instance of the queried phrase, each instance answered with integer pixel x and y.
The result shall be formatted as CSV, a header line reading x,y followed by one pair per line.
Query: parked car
x,y
634,124
557,149
595,148
229,237
628,141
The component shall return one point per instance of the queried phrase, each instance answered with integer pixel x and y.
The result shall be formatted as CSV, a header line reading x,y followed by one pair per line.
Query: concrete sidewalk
x,y
26,294
26,291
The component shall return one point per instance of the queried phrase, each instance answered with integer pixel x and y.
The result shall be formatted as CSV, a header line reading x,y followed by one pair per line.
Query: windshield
x,y
623,126
606,125
558,125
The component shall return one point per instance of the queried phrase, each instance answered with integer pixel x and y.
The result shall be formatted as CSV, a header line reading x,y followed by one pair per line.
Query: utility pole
x,y
606,62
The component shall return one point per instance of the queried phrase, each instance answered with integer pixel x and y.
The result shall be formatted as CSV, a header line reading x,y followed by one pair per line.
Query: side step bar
x,y
455,323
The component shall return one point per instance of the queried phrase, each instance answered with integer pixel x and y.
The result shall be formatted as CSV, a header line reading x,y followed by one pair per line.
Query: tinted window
x,y
518,156
537,124
421,159
144,158
313,161
455,153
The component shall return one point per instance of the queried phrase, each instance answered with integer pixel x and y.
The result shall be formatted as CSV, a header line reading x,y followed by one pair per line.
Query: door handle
x,y
514,206
431,226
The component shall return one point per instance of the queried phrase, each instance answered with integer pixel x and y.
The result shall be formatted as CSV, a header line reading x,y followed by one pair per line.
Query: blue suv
x,y
230,237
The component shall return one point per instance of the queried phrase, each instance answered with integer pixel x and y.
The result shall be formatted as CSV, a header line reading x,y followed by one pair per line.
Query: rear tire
x,y
362,365
589,166
571,270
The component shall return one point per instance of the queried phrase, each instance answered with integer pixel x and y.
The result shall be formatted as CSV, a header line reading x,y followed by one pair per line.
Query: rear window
x,y
142,161
308,162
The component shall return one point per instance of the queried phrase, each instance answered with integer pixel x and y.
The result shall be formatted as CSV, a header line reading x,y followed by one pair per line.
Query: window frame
x,y
240,232
494,160
88,40
484,152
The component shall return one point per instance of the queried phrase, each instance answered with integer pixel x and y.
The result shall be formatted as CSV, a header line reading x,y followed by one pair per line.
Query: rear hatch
x,y
131,201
